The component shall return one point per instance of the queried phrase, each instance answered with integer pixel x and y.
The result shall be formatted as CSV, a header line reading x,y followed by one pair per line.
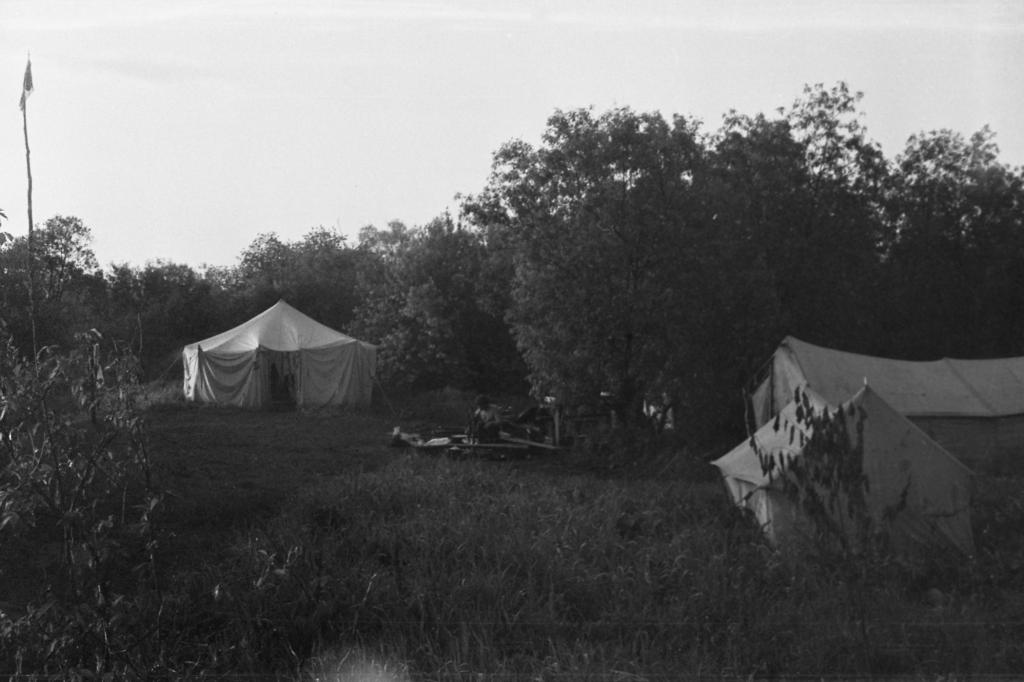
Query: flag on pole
x,y
26,88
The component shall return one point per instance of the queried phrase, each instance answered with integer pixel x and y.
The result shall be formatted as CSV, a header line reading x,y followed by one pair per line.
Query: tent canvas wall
x,y
897,457
973,408
284,349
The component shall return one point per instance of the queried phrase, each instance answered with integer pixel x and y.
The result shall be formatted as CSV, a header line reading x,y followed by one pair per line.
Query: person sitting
x,y
486,423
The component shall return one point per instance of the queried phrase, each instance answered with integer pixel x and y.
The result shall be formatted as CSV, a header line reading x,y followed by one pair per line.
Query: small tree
x,y
67,282
827,484
602,226
425,301
74,487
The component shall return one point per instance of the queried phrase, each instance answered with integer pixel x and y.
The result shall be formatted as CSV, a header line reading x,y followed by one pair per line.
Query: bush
x,y
74,487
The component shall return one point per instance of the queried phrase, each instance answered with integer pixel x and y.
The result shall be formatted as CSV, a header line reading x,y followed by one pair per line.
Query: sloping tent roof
x,y
330,368
897,456
280,328
941,388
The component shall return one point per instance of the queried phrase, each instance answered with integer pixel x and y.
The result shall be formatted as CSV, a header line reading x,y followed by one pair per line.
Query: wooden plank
x,y
530,443
490,446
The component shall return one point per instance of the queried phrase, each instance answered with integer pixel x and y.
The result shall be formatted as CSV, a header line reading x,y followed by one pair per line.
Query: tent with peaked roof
x,y
280,353
905,470
973,408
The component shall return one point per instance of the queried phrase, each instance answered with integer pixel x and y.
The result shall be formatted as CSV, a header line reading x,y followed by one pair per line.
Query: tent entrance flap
x,y
283,376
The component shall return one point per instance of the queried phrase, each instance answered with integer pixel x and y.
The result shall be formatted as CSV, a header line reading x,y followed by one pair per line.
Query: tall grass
x,y
405,567
458,568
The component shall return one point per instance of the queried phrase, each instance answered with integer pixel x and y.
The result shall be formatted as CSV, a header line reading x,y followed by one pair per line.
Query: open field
x,y
332,544
302,546
230,468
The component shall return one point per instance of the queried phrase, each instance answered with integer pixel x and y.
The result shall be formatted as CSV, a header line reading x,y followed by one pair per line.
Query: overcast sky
x,y
182,129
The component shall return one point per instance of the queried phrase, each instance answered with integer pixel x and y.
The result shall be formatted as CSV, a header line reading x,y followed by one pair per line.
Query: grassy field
x,y
302,546
225,469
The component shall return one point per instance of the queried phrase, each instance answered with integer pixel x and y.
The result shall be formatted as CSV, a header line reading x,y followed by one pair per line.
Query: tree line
x,y
626,253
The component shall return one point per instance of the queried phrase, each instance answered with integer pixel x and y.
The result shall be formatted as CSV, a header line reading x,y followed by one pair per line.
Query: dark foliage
x,y
625,254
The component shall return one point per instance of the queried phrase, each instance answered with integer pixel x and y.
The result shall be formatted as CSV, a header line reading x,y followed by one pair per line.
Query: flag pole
x,y
28,166
26,89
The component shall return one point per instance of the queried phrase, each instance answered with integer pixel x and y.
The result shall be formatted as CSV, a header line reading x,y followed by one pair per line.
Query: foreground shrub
x,y
75,506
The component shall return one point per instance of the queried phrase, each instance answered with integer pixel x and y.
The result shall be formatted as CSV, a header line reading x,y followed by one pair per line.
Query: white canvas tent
x,y
898,459
973,408
280,351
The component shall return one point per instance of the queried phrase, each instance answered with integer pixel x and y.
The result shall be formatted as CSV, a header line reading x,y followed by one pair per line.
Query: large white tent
x,y
973,408
903,466
280,352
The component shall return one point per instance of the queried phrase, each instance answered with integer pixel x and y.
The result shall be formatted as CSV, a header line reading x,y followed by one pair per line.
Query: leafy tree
x,y
757,194
836,147
422,301
382,287
648,258
324,270
158,308
66,278
605,230
956,258
261,272
842,233
805,189
62,255
316,274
